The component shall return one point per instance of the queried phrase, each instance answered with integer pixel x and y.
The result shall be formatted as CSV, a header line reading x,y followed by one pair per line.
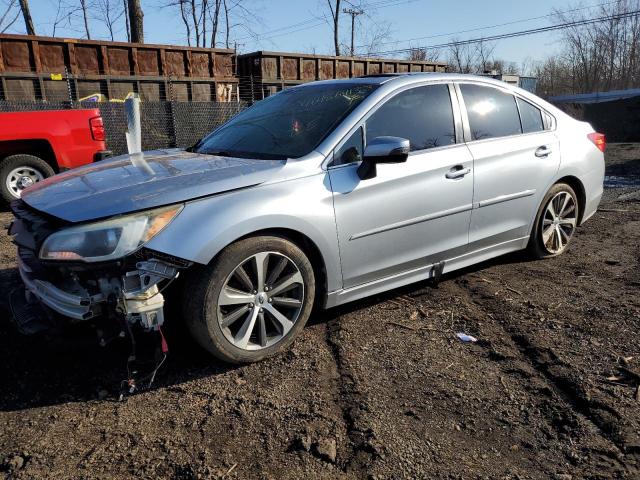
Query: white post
x,y
134,133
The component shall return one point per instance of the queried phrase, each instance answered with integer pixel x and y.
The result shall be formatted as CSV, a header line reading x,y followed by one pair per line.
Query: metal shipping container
x,y
264,73
37,68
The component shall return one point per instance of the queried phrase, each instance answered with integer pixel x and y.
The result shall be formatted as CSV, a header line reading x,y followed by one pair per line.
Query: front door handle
x,y
457,172
543,151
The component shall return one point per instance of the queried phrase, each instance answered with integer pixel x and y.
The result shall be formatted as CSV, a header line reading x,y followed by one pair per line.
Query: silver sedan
x,y
320,195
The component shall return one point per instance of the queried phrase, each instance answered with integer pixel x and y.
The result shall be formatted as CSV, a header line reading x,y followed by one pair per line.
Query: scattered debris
x,y
325,449
630,373
14,463
514,290
466,338
303,443
626,360
627,196
233,467
613,210
408,327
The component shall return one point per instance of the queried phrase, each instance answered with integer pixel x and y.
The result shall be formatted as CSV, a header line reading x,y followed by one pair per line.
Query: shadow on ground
x,y
41,371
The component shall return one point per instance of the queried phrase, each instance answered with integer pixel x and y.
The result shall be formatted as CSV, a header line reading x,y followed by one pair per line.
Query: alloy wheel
x,y
260,301
558,222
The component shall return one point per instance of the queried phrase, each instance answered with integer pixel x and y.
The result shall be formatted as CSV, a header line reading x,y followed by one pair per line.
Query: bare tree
x,y
462,57
194,17
483,53
597,56
334,8
205,20
110,13
373,34
424,54
226,23
85,17
8,14
125,9
136,23
240,16
26,14
60,17
214,14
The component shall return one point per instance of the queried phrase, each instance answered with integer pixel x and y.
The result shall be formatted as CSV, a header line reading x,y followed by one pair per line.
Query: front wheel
x,y
556,222
18,172
252,301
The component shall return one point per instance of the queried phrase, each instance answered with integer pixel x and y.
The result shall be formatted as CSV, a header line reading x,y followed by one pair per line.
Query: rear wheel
x,y
18,172
252,301
556,222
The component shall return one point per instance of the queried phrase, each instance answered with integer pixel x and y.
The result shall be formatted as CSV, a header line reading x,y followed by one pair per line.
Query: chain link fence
x,y
164,124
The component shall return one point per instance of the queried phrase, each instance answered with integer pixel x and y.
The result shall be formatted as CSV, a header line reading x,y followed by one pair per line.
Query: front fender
x,y
208,225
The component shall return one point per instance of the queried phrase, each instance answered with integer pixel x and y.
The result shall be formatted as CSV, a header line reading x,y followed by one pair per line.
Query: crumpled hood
x,y
137,182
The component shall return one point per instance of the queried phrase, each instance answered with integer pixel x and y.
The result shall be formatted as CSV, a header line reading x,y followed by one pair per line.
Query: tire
x,y
210,318
548,228
30,166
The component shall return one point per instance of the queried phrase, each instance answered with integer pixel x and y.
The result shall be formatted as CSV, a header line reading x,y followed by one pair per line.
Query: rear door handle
x,y
543,151
457,172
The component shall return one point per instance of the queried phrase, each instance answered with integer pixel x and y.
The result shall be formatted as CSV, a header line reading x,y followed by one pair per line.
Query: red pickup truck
x,y
36,145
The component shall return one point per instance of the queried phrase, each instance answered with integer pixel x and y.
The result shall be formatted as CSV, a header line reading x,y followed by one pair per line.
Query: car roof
x,y
408,78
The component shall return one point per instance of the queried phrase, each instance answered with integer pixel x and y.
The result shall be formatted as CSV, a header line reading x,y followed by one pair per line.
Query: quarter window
x,y
351,150
492,113
530,116
423,115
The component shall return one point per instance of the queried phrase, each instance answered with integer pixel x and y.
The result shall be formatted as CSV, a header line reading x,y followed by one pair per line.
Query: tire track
x,y
559,376
353,404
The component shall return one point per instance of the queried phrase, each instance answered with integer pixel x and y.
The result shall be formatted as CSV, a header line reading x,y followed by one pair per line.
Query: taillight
x,y
97,129
599,140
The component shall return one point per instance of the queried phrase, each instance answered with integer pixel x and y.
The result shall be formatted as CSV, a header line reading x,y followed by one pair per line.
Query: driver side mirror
x,y
382,150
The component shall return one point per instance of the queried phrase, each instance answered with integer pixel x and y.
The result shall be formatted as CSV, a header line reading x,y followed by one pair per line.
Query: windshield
x,y
287,125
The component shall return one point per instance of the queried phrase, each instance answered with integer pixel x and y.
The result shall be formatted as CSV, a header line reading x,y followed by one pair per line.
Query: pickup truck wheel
x,y
252,301
18,172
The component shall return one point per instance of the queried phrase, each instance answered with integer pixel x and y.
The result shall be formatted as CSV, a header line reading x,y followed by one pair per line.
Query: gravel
x,y
381,388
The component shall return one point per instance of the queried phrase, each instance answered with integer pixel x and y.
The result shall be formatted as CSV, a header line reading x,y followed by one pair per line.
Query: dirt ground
x,y
379,389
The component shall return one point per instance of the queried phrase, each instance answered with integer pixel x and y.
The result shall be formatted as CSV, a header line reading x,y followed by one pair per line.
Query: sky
x,y
441,20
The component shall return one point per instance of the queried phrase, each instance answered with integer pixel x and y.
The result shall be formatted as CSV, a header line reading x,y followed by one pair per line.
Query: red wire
x,y
163,342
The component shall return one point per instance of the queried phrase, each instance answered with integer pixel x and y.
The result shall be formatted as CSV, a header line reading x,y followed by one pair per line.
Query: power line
x,y
314,22
520,33
489,27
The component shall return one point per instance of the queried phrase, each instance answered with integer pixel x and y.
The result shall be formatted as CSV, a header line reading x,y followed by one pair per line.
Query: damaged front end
x,y
99,273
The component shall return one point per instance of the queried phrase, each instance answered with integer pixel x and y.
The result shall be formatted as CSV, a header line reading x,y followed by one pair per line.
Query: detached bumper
x,y
64,303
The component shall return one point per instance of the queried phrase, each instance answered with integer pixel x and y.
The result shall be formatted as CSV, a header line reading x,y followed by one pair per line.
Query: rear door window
x,y
530,116
423,115
492,113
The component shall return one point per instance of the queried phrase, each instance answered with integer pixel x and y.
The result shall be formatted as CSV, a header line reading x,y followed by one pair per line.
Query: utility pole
x,y
354,13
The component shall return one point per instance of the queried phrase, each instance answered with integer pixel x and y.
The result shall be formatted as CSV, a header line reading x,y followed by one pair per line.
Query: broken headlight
x,y
109,239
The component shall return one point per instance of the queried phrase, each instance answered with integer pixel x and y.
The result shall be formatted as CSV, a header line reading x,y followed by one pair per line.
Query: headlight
x,y
107,240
